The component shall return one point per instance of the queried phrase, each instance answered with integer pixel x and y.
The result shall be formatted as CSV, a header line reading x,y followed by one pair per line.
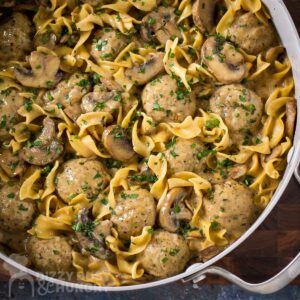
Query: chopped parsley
x,y
86,228
11,195
172,142
128,196
205,153
156,106
212,123
214,225
176,209
3,121
22,207
101,44
28,105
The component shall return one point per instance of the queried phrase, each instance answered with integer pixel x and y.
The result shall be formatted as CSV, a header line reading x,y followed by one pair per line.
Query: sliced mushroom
x,y
44,71
160,26
291,111
45,149
174,210
141,74
101,101
204,14
91,235
73,111
118,144
11,164
223,60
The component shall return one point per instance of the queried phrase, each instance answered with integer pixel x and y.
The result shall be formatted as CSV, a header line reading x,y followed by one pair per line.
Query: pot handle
x,y
276,283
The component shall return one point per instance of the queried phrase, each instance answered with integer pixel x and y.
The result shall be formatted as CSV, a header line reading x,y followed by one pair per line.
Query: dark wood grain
x,y
277,241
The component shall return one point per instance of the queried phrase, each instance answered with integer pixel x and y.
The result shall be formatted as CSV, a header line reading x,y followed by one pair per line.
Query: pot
x,y
290,39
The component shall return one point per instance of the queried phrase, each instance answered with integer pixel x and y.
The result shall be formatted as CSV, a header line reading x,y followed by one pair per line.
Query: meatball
x,y
166,255
230,206
10,102
69,92
52,256
250,34
182,155
166,100
87,176
15,215
101,100
134,211
16,37
108,44
240,108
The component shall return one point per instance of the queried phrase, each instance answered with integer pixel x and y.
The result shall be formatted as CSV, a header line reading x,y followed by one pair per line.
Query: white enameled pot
x,y
290,39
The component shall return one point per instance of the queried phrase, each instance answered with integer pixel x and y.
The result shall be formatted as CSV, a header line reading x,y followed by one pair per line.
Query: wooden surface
x,y
277,241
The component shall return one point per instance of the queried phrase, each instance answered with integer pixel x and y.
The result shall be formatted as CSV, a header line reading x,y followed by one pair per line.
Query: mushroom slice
x,y
45,149
43,73
291,111
160,26
91,235
174,210
204,14
223,60
118,144
11,164
153,65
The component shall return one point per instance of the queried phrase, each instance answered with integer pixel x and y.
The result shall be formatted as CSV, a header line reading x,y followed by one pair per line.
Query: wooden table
x,y
277,241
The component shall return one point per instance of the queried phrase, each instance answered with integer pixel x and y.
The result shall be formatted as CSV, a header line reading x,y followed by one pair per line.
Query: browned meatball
x,y
52,256
134,211
16,37
108,44
251,34
87,176
15,215
240,108
231,206
164,101
182,155
166,255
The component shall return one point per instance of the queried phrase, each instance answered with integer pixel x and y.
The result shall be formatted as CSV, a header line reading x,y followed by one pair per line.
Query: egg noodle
x,y
264,156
